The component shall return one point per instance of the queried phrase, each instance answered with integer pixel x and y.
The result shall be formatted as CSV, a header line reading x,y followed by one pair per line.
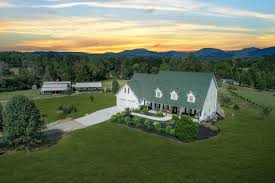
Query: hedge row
x,y
246,99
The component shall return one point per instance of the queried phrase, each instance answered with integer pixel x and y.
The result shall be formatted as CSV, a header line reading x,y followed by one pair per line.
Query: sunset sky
x,y
114,25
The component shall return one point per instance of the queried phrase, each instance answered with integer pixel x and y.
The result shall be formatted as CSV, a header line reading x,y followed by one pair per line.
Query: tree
x,y
22,122
115,86
186,130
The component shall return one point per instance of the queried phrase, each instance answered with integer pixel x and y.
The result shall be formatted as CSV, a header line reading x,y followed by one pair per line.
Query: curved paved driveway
x,y
83,122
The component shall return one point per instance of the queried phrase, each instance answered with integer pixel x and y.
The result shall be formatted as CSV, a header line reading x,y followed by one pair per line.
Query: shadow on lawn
x,y
48,139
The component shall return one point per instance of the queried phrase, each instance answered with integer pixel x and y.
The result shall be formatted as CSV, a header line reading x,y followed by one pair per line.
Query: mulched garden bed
x,y
205,131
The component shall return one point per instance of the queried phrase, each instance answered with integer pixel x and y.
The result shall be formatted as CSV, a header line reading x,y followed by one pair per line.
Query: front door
x,y
175,110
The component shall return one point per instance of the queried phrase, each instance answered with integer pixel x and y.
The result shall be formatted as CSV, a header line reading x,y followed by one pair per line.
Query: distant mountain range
x,y
205,53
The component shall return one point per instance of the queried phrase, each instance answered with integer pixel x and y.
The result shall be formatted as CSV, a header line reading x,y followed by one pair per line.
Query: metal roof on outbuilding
x,y
88,85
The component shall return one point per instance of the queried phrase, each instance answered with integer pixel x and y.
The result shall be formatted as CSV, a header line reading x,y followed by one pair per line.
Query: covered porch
x,y
170,109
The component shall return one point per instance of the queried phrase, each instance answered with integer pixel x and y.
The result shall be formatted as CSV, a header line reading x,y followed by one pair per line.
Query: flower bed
x,y
183,129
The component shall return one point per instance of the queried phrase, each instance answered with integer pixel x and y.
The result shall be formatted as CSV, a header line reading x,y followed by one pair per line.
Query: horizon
x,y
102,26
138,49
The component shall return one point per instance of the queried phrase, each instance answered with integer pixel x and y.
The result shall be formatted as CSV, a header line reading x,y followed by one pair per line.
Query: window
x,y
128,90
158,93
191,97
174,95
125,89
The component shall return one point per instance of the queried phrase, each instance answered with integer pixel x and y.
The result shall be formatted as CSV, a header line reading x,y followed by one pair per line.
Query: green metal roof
x,y
144,86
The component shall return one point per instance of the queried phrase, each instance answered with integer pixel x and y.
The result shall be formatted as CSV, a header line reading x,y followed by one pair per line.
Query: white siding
x,y
210,104
128,99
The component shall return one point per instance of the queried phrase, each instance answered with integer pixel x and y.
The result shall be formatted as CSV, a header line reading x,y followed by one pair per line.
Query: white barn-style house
x,y
187,93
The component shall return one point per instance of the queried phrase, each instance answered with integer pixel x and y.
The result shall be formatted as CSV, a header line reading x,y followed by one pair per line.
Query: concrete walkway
x,y
165,118
83,122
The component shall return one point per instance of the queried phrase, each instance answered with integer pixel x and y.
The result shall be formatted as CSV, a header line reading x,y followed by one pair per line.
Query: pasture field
x,y
265,98
242,152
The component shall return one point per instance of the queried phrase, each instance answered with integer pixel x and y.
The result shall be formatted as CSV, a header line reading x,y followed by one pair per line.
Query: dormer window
x,y
174,95
158,93
191,98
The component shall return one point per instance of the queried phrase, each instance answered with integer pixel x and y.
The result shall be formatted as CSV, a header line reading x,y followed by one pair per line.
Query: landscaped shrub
x,y
160,114
115,118
127,111
236,107
162,130
172,132
168,128
128,121
69,109
92,98
186,130
145,110
175,117
147,122
137,122
22,122
157,126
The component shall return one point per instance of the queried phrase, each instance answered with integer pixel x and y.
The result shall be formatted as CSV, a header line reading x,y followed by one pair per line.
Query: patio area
x,y
167,117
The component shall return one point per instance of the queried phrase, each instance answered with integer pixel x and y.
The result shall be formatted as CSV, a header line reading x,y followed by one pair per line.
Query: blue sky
x,y
114,25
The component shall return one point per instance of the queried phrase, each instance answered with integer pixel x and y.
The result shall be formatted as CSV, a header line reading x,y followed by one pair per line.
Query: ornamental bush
x,y
160,114
175,117
172,132
157,126
167,129
144,110
147,124
137,122
22,122
186,130
128,121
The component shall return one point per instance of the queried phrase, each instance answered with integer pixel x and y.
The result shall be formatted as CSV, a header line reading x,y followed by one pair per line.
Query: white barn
x,y
187,93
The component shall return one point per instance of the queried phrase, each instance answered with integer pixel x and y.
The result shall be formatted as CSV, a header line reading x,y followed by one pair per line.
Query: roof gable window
x,y
174,95
191,98
158,93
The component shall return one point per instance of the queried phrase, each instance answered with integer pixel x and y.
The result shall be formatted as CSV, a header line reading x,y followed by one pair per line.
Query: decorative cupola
x,y
191,97
158,93
174,95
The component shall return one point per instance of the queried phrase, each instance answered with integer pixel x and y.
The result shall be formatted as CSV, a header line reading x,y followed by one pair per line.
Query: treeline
x,y
22,70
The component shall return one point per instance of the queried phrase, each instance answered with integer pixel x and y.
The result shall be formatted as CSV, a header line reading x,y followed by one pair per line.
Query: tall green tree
x,y
115,86
22,122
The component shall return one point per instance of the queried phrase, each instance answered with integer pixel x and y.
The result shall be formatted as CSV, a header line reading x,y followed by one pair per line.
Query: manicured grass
x,y
5,96
82,102
263,98
243,152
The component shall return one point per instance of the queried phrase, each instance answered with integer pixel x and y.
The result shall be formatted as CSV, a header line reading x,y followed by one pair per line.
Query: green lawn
x,y
243,152
264,98
4,96
82,102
